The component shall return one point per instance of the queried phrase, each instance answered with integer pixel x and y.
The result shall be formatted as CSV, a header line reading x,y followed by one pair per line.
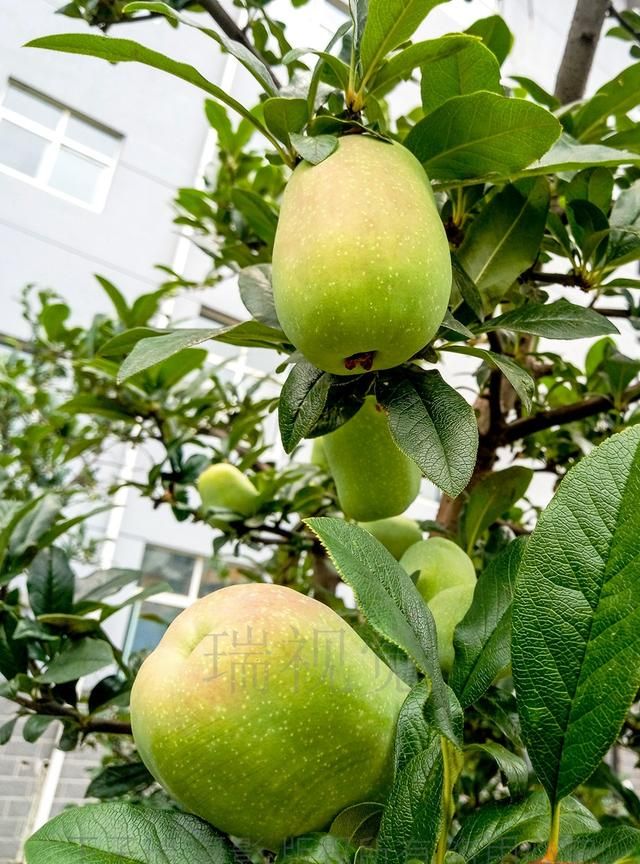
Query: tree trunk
x,y
580,49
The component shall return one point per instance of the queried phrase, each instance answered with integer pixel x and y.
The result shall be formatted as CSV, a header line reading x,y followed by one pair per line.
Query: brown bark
x,y
580,49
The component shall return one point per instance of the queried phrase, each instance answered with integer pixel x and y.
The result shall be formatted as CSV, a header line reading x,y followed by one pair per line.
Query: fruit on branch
x,y
361,265
225,487
446,581
397,533
264,713
373,477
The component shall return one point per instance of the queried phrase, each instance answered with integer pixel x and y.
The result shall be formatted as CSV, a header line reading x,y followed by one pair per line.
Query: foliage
x,y
536,198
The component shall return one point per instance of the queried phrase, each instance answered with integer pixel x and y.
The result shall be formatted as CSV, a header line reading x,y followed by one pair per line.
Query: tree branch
x,y
226,23
580,49
565,414
570,280
613,13
51,708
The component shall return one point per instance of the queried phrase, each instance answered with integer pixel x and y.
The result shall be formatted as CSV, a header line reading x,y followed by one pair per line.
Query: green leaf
x,y
467,71
594,185
576,616
616,844
624,243
31,530
302,403
219,120
122,343
256,292
104,583
340,69
567,154
258,214
401,65
121,833
315,849
96,405
117,299
251,63
389,24
125,50
616,97
495,34
480,135
358,824
488,834
413,733
513,767
519,378
314,149
116,780
13,653
50,582
389,601
6,730
283,116
82,658
467,288
482,639
450,323
35,726
74,624
538,93
558,320
491,498
504,239
433,425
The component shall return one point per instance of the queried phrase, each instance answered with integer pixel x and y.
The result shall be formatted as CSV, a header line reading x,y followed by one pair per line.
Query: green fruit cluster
x,y
264,713
361,264
446,581
373,477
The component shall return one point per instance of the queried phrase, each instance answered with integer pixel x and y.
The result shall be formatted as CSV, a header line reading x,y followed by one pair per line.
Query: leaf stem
x,y
551,854
447,784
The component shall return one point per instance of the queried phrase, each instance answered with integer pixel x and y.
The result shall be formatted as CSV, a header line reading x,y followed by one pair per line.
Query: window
x,y
190,577
52,147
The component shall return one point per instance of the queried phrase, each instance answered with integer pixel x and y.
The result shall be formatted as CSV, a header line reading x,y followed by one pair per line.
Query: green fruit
x,y
446,581
397,533
373,477
318,456
361,264
225,487
264,713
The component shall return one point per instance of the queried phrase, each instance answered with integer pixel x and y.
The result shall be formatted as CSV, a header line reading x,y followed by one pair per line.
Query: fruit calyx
x,y
364,360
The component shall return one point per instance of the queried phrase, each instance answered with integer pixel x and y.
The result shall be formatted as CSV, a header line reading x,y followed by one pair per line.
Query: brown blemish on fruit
x,y
365,360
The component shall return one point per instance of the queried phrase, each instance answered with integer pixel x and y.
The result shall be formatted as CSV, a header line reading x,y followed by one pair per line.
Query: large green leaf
x,y
513,767
480,135
576,616
283,116
257,213
121,833
402,64
482,639
389,24
50,582
516,375
495,34
567,154
389,601
125,50
302,403
624,242
434,425
616,844
504,239
616,97
81,658
558,320
116,780
467,71
490,498
316,849
256,292
493,830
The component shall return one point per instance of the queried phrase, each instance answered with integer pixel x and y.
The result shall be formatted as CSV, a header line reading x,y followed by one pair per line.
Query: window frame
x,y
57,140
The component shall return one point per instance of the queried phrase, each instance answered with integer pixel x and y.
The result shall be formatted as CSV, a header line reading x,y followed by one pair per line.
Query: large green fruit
x,y
224,486
264,713
361,265
446,581
397,533
373,477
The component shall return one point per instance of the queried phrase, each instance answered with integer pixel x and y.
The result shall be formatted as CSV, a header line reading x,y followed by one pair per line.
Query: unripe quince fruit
x,y
446,581
397,534
361,264
225,487
264,713
374,479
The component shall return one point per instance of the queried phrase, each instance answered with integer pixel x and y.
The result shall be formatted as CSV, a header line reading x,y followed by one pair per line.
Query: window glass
x,y
20,149
163,565
84,132
34,107
150,625
76,175
209,582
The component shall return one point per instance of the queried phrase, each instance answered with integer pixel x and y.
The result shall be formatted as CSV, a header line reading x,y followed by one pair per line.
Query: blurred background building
x,y
90,158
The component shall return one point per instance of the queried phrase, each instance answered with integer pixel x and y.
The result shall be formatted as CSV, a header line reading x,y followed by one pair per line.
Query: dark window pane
x,y
149,630
162,565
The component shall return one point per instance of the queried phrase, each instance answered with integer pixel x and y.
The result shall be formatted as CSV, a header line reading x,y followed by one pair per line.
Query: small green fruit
x,y
264,713
318,456
225,487
397,533
373,477
361,264
446,581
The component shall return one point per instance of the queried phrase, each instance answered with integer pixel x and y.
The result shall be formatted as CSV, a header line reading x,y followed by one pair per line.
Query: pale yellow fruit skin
x,y
361,261
374,479
446,581
280,754
225,487
397,534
